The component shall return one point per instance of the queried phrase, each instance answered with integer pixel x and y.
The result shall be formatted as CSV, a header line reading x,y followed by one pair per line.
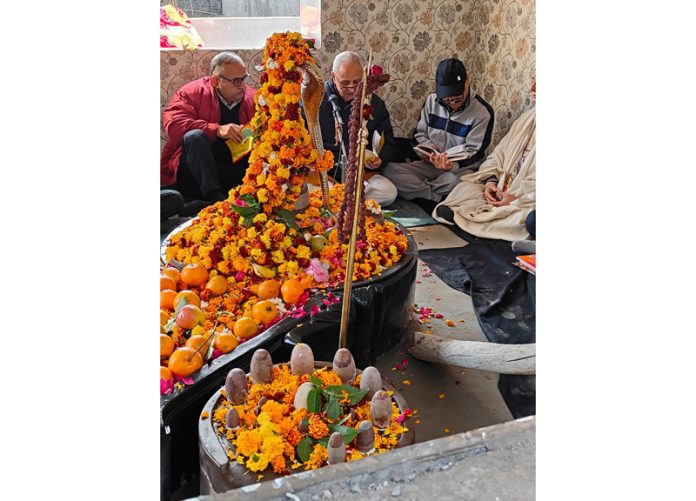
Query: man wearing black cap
x,y
452,135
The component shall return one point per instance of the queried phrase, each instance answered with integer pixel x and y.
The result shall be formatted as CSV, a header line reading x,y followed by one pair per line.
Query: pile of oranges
x,y
190,329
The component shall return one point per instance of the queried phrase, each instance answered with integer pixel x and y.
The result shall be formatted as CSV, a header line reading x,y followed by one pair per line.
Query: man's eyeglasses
x,y
349,85
237,82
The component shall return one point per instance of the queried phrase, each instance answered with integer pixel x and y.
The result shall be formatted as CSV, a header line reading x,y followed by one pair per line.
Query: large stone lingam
x,y
302,417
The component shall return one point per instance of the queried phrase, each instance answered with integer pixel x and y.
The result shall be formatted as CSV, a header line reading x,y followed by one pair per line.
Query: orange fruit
x,y
167,299
217,285
264,311
172,273
292,290
225,342
164,317
165,373
167,283
268,289
194,274
197,341
189,316
245,327
166,346
189,297
185,361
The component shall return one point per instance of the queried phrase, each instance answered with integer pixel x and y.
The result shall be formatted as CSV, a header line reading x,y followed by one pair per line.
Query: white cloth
x,y
381,190
471,211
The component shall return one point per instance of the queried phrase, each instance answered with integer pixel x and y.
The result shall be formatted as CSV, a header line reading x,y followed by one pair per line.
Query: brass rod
x,y
350,261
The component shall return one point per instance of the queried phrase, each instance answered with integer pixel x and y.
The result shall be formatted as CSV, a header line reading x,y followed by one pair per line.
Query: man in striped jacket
x,y
451,138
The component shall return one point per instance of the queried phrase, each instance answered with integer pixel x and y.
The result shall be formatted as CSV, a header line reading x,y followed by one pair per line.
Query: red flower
x,y
376,70
367,112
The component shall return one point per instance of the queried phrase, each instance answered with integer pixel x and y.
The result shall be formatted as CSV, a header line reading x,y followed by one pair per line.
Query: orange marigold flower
x,y
317,428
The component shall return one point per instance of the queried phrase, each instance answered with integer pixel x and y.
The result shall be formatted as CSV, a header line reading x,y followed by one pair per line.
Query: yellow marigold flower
x,y
265,238
248,442
286,243
256,253
257,462
303,252
198,331
317,428
260,218
251,233
262,195
318,457
272,446
278,256
292,267
220,413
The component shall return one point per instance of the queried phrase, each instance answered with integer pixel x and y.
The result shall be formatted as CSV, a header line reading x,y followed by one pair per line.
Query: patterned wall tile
x,y
496,40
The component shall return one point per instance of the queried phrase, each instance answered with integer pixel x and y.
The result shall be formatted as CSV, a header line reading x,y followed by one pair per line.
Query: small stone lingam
x,y
344,365
261,370
336,448
380,410
301,360
371,379
236,386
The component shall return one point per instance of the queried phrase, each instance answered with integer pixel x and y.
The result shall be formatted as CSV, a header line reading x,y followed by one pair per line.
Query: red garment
x,y
194,106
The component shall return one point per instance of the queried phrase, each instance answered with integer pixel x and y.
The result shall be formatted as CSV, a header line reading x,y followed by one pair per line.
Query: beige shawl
x,y
476,216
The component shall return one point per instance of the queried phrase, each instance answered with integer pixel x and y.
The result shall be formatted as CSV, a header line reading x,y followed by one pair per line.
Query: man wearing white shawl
x,y
494,202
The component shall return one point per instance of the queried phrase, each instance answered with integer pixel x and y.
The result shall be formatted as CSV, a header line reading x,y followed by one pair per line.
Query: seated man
x,y
198,120
345,78
455,122
496,201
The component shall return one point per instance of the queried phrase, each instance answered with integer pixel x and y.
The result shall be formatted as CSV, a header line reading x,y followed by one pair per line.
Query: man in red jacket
x,y
198,120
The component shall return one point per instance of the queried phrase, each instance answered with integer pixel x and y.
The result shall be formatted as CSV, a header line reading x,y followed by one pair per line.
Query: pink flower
x,y
239,276
314,310
330,296
299,313
240,202
438,315
376,70
400,419
216,353
360,244
318,271
166,386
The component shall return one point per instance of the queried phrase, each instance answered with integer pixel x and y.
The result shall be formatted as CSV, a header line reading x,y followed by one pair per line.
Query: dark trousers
x,y
530,223
207,167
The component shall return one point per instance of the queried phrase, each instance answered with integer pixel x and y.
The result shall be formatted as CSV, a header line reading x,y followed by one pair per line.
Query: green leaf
x,y
304,449
389,213
324,441
314,400
209,351
248,221
333,410
346,432
316,381
288,218
355,395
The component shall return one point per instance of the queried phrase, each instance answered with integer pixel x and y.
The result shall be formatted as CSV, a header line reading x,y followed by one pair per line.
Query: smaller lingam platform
x,y
290,417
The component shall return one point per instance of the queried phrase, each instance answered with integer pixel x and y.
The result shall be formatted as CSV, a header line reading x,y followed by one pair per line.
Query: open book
x,y
239,150
377,143
527,263
429,150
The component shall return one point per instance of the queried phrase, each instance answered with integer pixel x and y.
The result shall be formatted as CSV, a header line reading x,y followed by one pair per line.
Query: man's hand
x,y
374,163
441,162
506,199
230,131
490,193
